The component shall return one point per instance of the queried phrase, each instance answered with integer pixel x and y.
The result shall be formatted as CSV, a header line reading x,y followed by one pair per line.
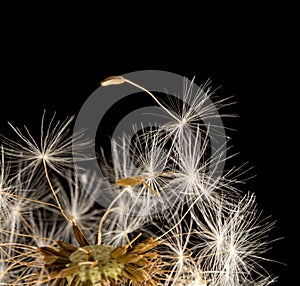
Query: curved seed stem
x,y
110,208
153,96
114,80
63,212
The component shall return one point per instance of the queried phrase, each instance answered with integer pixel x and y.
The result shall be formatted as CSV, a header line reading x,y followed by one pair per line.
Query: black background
x,y
55,65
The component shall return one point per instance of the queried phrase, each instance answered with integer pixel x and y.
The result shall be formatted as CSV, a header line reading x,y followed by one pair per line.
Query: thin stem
x,y
99,239
63,212
132,241
113,80
181,219
28,199
25,222
150,188
2,167
153,96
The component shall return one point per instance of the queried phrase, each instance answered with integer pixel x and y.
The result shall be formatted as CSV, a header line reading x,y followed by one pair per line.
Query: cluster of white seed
x,y
206,231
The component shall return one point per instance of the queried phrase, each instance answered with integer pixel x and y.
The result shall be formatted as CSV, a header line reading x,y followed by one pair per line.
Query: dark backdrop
x,y
58,69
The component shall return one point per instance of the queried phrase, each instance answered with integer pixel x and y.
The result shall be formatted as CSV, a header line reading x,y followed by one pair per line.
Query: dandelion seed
x,y
233,243
55,148
196,111
119,80
112,80
192,175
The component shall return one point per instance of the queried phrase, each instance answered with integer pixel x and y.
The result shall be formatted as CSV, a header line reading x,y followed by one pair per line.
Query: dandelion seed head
x,y
169,219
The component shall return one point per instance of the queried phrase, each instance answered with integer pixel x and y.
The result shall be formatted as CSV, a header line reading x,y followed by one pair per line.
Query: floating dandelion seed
x,y
55,147
196,112
53,233
119,80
